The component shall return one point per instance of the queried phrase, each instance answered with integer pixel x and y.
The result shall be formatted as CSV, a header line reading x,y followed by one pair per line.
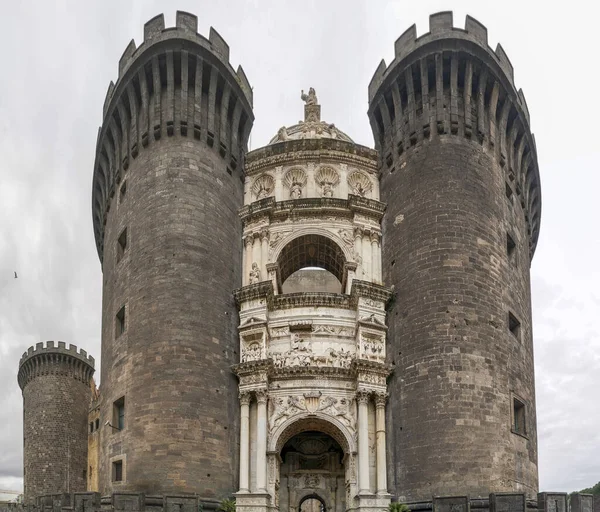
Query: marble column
x,y
244,441
256,252
261,441
248,260
375,259
358,234
366,256
380,399
362,397
264,254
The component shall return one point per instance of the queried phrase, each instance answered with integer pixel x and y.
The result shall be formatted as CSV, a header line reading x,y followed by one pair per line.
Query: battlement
x,y
176,83
48,358
186,27
441,27
450,82
59,348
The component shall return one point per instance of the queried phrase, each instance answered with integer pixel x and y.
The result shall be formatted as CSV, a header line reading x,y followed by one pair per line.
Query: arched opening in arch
x,y
312,470
312,263
312,503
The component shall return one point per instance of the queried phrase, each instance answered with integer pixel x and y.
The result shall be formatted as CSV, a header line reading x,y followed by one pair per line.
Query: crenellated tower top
x,y
449,81
47,358
176,83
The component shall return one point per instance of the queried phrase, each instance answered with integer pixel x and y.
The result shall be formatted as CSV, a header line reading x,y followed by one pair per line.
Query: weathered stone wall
x,y
55,381
135,502
176,190
454,143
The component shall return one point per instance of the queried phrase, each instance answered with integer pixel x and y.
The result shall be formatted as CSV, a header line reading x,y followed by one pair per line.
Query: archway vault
x,y
312,250
312,422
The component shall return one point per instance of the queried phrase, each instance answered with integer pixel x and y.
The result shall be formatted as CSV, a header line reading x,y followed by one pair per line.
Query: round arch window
x,y
312,263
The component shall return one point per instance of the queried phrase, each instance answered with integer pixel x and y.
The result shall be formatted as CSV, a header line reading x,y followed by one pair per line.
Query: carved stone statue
x,y
296,190
254,274
310,98
327,189
282,134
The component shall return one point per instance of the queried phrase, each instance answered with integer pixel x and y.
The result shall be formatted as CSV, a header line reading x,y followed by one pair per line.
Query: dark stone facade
x,y
459,175
56,385
168,185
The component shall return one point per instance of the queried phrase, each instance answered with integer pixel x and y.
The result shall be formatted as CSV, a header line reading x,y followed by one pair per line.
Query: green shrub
x,y
227,505
399,507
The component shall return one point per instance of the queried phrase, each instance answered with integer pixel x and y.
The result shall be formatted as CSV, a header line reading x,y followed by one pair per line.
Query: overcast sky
x,y
59,57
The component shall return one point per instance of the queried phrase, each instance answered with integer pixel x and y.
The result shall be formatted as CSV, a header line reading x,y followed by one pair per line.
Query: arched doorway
x,y
311,263
312,503
312,474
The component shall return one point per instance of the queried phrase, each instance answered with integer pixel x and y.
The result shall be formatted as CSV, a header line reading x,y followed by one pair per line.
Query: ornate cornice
x,y
312,206
295,151
311,299
369,290
264,289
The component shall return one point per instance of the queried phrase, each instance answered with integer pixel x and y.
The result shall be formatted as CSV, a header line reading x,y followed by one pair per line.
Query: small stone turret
x,y
55,381
459,174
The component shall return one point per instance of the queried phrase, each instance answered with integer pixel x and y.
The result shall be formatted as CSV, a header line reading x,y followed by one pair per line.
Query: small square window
x,y
117,471
510,247
514,326
120,322
122,191
121,245
118,422
519,417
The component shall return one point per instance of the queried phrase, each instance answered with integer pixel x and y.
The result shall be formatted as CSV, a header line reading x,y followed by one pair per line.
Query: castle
x,y
315,324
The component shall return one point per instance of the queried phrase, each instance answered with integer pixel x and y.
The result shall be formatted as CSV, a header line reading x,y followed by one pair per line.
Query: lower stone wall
x,y
139,502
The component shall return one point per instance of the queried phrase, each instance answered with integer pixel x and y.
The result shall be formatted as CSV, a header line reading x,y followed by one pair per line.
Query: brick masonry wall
x,y
184,116
457,363
172,364
55,411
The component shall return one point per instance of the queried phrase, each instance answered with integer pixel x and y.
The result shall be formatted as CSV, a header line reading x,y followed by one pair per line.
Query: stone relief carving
x,y
338,408
263,186
284,408
347,237
312,481
301,354
254,273
252,352
360,184
295,179
280,331
331,329
372,346
327,178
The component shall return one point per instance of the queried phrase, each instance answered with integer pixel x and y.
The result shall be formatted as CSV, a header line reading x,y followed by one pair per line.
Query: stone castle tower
x,y
314,324
459,175
56,384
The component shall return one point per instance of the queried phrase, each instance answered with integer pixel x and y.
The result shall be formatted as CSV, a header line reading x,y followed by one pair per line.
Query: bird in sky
x,y
15,274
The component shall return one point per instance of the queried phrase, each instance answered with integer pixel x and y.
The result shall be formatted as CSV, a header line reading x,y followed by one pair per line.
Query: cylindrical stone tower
x,y
56,385
168,183
460,177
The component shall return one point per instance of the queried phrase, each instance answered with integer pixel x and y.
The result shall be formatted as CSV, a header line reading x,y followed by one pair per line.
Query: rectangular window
x,y
121,245
519,417
120,322
510,247
97,423
514,326
117,471
119,414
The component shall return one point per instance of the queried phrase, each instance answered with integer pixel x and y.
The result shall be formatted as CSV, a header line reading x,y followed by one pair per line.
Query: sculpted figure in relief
x,y
327,190
296,190
254,274
251,353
